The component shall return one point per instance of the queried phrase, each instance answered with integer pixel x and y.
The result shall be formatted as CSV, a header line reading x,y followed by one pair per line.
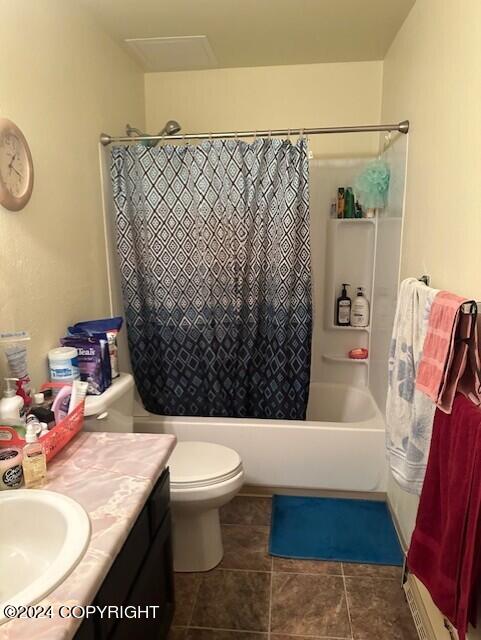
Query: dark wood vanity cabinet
x,y
141,576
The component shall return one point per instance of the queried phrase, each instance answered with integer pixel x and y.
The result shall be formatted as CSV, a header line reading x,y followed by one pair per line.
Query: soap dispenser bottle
x,y
343,307
11,404
360,310
34,459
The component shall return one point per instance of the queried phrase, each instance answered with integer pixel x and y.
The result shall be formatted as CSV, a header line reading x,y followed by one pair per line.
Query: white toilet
x,y
203,477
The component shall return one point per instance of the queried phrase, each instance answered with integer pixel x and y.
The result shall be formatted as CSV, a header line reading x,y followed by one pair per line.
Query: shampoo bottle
x,y
360,310
343,308
34,460
349,204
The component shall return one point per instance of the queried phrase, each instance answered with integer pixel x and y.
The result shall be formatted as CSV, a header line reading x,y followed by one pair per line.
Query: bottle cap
x,y
38,398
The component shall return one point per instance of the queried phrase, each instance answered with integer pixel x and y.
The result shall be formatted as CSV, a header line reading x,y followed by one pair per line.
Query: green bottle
x,y
350,205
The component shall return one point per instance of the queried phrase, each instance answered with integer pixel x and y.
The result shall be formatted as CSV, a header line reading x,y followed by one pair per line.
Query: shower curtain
x,y
213,246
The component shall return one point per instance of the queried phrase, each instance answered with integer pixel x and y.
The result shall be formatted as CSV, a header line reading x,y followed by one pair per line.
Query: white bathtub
x,y
339,447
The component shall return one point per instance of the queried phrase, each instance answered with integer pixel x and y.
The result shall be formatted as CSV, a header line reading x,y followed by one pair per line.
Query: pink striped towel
x,y
450,359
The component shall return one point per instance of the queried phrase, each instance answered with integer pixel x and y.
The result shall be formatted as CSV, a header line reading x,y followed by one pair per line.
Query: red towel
x,y
445,551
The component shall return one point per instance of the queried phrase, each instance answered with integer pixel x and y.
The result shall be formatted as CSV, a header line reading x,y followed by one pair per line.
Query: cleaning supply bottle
x,y
360,310
343,307
61,403
11,405
34,460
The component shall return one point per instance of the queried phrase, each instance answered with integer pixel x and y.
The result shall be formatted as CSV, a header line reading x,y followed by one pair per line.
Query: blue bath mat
x,y
333,529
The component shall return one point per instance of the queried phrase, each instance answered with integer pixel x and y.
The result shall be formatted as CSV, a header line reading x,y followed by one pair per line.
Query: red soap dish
x,y
360,353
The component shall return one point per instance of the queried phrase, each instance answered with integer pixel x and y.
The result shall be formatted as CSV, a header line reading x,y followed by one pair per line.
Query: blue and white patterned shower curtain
x,y
213,244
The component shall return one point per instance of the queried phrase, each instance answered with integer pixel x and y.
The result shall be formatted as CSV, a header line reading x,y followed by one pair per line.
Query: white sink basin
x,y
43,535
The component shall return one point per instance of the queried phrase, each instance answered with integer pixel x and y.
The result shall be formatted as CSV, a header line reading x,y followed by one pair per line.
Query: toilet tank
x,y
113,409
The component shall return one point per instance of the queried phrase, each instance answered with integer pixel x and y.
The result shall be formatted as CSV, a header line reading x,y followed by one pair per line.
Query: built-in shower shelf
x,y
331,357
335,327
355,220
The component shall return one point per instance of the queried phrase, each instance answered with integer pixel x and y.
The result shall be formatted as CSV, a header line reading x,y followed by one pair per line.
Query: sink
x,y
43,535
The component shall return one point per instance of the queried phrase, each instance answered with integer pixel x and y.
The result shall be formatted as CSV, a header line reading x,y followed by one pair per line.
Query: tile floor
x,y
251,595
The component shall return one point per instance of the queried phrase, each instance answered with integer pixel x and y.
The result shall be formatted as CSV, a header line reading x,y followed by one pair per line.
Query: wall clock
x,y
16,167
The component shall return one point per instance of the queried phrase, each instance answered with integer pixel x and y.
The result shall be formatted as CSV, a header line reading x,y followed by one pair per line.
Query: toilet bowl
x,y
203,477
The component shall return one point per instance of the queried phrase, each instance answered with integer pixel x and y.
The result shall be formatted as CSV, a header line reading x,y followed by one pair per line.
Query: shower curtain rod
x,y
401,127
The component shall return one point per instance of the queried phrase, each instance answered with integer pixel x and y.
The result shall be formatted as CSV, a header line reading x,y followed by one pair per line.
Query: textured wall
x,y
63,81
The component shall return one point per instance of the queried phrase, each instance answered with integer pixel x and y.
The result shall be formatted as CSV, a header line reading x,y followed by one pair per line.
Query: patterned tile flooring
x,y
252,596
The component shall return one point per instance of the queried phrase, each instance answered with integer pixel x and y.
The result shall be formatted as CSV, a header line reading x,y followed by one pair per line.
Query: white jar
x,y
63,362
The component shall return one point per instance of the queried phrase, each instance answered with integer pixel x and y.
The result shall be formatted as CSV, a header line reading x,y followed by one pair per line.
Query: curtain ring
x,y
269,134
301,134
255,135
210,136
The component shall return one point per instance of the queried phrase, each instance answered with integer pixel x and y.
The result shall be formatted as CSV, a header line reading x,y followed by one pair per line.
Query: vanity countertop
x,y
111,475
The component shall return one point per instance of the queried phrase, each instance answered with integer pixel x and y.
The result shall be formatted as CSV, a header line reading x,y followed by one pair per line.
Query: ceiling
x,y
251,33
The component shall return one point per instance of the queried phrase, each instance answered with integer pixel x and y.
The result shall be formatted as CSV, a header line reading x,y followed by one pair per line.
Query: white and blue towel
x,y
409,413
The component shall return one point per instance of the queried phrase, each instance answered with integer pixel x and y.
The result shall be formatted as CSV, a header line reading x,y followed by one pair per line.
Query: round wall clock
x,y
16,167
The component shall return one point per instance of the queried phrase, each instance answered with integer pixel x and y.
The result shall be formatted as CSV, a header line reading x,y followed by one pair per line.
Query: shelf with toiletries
x,y
349,275
355,220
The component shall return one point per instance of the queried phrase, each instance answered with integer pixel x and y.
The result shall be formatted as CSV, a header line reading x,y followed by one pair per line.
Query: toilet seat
x,y
202,464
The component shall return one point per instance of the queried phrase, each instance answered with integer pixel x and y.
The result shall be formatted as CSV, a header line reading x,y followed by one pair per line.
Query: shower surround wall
x,y
386,269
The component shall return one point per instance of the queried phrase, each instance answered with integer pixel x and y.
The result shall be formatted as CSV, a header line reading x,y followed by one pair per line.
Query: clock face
x,y
16,170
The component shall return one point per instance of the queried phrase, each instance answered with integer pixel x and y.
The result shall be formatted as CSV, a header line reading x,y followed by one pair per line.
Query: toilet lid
x,y
203,463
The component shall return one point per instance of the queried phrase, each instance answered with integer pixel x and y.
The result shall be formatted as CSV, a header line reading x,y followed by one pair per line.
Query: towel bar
x,y
470,307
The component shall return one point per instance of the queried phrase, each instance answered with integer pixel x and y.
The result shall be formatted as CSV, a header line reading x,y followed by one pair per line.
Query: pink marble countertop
x,y
111,475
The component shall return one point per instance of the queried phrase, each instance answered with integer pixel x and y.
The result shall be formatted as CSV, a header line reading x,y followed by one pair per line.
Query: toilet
x,y
203,477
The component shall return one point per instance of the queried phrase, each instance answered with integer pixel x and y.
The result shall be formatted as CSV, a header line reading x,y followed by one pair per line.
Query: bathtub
x,y
339,447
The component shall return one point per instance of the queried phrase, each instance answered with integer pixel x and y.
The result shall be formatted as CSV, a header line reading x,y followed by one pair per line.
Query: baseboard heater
x,y
430,624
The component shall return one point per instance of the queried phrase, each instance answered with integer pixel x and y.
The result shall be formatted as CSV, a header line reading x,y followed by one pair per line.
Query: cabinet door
x,y
159,502
88,630
154,586
122,575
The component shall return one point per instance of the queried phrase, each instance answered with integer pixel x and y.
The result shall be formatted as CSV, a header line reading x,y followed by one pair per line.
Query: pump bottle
x,y
343,308
34,459
11,405
360,310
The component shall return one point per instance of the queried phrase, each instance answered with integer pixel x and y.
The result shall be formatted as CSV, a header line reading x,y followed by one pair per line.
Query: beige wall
x,y
431,76
272,97
63,81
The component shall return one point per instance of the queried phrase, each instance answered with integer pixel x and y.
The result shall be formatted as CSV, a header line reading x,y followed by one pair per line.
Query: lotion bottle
x,y
34,460
11,405
360,310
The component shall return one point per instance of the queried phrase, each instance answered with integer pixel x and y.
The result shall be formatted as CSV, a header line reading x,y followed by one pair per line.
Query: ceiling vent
x,y
179,53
